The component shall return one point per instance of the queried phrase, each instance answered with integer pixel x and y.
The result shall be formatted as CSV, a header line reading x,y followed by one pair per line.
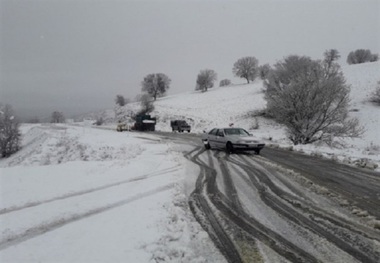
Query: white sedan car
x,y
231,139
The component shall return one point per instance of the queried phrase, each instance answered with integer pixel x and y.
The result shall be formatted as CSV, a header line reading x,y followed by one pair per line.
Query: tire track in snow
x,y
48,227
350,183
208,207
281,202
87,191
200,206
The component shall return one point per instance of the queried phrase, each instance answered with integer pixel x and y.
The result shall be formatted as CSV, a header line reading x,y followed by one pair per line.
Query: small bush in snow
x,y
224,82
261,113
311,99
9,132
120,100
99,121
361,56
373,149
375,97
57,117
365,163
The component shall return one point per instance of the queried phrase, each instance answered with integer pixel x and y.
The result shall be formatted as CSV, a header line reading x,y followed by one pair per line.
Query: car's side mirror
x,y
221,135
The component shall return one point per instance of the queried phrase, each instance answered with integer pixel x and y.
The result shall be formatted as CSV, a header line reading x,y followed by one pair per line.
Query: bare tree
x,y
330,56
57,117
205,80
9,131
361,56
264,71
224,82
246,68
156,85
310,102
120,100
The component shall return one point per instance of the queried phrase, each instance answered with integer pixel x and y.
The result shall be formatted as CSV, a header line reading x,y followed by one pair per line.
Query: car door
x,y
212,137
220,139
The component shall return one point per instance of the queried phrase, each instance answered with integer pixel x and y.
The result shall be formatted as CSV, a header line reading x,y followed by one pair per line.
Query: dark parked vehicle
x,y
180,125
231,139
144,123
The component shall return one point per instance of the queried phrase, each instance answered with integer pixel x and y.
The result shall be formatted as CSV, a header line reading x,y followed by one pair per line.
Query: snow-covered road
x,y
256,209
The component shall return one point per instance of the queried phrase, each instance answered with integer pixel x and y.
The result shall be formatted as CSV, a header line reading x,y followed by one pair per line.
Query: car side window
x,y
213,131
220,133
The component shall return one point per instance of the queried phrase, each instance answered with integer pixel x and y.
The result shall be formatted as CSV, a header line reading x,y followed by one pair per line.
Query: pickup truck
x,y
180,126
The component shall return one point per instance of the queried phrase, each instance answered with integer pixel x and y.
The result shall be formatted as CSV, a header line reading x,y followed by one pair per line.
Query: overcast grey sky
x,y
76,56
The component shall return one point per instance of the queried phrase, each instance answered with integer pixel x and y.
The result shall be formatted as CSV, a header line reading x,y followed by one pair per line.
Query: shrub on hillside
x,y
121,100
57,117
224,82
264,71
311,99
375,97
361,56
9,132
205,80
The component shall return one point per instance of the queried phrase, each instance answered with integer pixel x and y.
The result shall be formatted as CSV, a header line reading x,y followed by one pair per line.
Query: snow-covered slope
x,y
221,106
363,79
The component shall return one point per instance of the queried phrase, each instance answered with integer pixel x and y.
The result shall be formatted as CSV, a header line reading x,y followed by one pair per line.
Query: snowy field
x,y
76,193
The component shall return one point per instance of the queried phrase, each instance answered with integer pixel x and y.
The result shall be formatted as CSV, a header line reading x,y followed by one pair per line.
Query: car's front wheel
x,y
207,145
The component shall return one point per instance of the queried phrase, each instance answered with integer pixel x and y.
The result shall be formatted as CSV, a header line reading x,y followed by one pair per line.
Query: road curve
x,y
282,206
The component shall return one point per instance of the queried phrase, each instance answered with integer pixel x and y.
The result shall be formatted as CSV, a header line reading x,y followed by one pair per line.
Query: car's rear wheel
x,y
229,147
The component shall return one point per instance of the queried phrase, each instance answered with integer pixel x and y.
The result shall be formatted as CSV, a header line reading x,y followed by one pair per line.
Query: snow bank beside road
x,y
102,196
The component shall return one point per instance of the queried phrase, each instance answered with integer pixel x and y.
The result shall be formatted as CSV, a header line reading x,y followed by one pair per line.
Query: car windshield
x,y
236,131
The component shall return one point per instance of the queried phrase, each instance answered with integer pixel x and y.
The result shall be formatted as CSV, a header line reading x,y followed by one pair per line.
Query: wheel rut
x,y
216,203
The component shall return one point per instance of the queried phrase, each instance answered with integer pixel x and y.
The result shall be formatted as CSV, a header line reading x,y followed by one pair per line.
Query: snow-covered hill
x,y
221,106
75,193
